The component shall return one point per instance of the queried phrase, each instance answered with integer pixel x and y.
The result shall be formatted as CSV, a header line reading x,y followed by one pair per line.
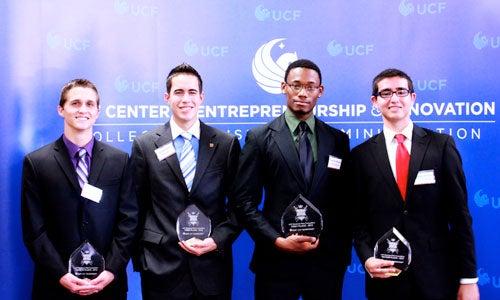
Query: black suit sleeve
x,y
125,222
225,233
249,188
143,193
460,220
35,236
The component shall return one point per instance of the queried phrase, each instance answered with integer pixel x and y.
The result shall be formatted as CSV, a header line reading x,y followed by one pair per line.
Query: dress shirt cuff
x,y
468,280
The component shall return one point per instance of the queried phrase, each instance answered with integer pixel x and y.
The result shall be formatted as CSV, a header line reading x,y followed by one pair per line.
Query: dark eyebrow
x,y
398,88
300,82
182,90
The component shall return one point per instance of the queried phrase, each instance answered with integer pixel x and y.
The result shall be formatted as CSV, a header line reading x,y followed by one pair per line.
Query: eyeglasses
x,y
387,94
298,87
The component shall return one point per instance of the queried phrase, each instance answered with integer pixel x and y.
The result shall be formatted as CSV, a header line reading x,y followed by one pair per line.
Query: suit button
x,y
406,212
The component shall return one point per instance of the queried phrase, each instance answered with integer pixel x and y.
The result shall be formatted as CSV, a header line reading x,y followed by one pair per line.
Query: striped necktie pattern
x,y
187,160
82,169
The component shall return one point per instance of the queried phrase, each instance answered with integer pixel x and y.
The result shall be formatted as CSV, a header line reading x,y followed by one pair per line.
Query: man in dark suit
x,y
290,266
196,268
430,210
59,214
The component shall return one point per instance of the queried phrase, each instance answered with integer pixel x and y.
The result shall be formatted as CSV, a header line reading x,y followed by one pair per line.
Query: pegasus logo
x,y
481,199
190,48
135,9
53,40
269,73
262,13
486,279
480,41
287,15
121,7
406,8
121,85
433,8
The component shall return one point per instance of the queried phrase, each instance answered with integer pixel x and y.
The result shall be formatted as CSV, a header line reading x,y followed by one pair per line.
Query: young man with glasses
x,y
290,266
416,185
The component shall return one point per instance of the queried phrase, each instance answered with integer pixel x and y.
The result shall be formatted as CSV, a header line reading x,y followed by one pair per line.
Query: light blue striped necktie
x,y
81,167
187,160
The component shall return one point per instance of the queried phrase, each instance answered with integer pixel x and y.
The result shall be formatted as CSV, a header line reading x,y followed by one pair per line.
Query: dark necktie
x,y
305,152
81,167
402,164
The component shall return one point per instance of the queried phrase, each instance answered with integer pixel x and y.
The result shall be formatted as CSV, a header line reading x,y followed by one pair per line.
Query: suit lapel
x,y
98,160
63,160
207,147
281,135
325,148
164,137
381,158
420,142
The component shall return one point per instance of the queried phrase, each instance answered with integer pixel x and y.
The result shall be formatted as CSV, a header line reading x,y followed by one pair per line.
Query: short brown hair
x,y
79,82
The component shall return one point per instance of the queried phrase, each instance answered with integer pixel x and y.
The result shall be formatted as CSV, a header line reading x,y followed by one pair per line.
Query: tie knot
x,y
400,138
81,152
303,126
186,135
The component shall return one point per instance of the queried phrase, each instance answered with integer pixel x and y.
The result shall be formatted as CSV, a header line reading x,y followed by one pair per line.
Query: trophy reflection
x,y
192,224
302,217
85,262
393,246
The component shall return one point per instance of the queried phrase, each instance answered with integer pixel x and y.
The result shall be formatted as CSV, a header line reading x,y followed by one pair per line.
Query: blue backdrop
x,y
126,47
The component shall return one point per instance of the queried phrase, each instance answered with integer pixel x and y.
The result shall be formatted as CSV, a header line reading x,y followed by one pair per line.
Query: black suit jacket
x,y
163,195
270,163
434,218
56,219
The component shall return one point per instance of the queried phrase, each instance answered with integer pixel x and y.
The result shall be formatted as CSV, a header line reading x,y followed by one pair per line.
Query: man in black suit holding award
x,y
184,170
290,264
411,179
74,190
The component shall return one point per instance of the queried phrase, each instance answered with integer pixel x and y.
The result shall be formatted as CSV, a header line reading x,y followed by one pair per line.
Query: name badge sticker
x,y
92,193
334,162
425,177
165,151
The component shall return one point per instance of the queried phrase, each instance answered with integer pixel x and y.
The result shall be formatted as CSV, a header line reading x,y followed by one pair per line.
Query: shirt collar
x,y
73,149
407,132
292,121
177,130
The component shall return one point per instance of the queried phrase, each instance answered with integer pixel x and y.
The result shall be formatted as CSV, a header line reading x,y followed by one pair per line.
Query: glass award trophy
x,y
85,262
193,224
394,247
302,217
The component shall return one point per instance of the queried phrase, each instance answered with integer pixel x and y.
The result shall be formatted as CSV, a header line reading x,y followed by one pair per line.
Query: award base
x,y
192,240
398,271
